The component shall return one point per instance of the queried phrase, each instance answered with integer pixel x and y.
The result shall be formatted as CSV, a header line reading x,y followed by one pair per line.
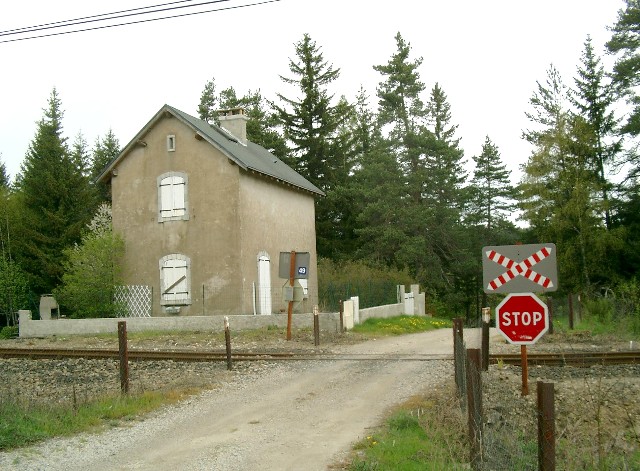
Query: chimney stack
x,y
235,122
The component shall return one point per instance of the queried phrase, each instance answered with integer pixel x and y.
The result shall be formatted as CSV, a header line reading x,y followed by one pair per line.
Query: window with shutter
x,y
172,197
175,279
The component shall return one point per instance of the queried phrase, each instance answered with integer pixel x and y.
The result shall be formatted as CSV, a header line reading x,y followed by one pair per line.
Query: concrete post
x,y
356,309
23,317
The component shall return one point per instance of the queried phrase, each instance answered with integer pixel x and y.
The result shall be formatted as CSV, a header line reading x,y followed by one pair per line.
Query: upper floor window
x,y
175,280
172,197
171,143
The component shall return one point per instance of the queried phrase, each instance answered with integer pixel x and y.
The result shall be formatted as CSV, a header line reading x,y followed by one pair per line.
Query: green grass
x,y
400,325
23,424
426,434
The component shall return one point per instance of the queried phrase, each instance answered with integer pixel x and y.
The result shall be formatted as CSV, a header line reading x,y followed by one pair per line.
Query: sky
x,y
486,55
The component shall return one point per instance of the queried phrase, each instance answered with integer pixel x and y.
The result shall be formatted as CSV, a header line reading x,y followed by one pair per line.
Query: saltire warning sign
x,y
519,268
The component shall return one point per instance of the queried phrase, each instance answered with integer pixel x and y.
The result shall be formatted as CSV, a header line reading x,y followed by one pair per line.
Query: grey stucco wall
x,y
62,327
232,215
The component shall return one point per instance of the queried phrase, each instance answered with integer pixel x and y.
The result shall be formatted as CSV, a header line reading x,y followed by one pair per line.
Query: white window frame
x,y
175,280
173,200
171,143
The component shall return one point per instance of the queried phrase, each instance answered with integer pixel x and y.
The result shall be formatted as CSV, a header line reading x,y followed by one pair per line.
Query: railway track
x,y
576,359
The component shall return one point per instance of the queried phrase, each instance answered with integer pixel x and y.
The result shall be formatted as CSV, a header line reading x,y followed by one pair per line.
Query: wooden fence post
x,y
124,356
474,400
546,427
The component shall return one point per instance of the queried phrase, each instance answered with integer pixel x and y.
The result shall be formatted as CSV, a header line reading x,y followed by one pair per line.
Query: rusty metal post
x,y
341,317
227,340
550,307
474,401
525,370
546,427
486,319
292,269
124,357
458,356
570,311
316,326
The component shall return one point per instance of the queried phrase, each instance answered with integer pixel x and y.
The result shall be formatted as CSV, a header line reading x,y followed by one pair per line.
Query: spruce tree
x,y
310,122
55,200
4,176
314,129
491,192
105,150
594,100
208,107
558,186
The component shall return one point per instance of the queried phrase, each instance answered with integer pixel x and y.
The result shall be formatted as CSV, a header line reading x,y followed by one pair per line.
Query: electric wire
x,y
232,7
63,23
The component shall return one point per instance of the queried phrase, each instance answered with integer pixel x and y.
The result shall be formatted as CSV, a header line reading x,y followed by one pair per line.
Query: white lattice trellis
x,y
135,300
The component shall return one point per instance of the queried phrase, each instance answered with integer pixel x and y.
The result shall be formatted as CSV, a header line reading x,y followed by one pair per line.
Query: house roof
x,y
250,157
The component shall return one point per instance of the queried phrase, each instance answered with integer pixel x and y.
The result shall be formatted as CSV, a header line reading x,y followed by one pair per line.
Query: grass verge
x,y
400,325
23,424
425,433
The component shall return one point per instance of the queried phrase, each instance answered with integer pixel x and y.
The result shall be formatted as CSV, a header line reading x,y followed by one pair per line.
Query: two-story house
x,y
205,213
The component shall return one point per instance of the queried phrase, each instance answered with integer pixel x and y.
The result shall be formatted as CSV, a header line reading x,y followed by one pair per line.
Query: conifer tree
x,y
55,201
492,195
105,150
594,99
208,107
313,128
4,176
310,122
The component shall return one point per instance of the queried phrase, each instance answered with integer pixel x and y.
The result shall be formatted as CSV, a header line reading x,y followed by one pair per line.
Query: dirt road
x,y
286,416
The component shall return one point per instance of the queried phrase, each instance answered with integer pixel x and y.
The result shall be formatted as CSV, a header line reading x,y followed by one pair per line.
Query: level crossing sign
x,y
519,268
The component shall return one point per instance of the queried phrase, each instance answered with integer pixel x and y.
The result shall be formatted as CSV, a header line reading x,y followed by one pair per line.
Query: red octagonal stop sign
x,y
522,318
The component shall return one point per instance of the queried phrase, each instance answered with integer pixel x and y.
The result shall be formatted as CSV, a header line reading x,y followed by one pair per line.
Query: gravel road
x,y
274,416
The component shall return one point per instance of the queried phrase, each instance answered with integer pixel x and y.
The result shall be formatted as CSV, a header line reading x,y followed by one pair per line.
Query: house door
x,y
264,284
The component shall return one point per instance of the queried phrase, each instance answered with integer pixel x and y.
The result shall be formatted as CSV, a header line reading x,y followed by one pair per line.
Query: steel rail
x,y
548,359
576,359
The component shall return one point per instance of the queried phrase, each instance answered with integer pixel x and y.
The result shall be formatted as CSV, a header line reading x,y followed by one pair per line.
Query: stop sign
x,y
522,318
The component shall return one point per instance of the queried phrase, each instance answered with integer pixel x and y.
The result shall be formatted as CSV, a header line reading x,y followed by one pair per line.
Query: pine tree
x,y
492,195
310,122
104,152
79,155
556,192
593,99
314,130
4,176
55,201
208,107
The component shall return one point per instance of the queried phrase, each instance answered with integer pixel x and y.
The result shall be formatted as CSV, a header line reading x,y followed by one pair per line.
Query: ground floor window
x,y
175,279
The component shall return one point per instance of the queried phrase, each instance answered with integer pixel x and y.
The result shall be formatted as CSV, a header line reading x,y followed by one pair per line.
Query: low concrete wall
x,y
44,328
389,310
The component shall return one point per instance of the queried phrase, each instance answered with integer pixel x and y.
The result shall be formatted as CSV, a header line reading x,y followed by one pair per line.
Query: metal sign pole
x,y
292,274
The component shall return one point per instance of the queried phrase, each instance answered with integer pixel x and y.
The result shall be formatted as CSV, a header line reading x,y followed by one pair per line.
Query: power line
x,y
233,7
59,24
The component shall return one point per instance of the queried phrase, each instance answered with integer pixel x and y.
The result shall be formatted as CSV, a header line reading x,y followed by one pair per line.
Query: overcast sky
x,y
486,55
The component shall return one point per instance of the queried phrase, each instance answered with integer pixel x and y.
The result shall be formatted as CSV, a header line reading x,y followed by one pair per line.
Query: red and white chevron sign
x,y
520,275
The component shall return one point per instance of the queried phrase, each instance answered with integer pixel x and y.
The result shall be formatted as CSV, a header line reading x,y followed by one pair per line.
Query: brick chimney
x,y
235,122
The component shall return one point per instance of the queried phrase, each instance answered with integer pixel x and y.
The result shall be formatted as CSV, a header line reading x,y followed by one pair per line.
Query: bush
x,y
9,332
375,285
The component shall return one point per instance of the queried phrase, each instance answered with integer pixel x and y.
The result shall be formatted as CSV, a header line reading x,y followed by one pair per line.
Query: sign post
x,y
292,274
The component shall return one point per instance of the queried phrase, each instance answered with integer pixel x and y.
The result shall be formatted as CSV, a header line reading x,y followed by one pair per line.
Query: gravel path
x,y
275,416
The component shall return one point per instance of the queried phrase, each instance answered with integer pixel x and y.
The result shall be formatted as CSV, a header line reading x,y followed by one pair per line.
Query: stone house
x,y
205,213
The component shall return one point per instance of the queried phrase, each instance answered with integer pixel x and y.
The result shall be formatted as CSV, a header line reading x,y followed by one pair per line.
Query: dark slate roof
x,y
250,157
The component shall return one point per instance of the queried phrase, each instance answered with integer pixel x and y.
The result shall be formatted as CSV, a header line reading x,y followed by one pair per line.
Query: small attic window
x,y
171,143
